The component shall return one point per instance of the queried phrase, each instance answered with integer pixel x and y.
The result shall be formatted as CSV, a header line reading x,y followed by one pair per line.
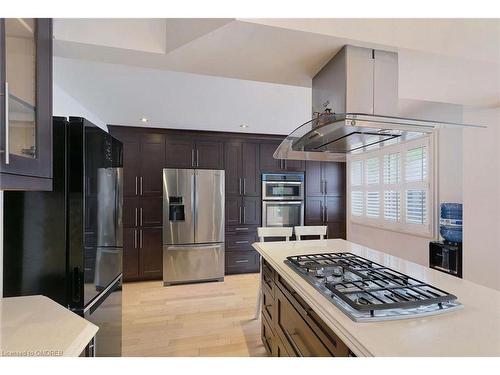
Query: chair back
x,y
318,230
264,232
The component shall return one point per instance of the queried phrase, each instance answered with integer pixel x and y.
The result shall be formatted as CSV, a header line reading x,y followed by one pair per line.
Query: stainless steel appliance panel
x,y
105,311
109,207
188,263
178,206
209,206
282,213
282,190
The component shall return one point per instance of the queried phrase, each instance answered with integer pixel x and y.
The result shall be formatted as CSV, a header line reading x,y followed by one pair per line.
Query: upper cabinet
x,y
25,104
185,153
269,164
242,168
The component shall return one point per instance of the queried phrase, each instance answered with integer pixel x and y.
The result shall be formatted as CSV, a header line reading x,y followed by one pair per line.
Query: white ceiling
x,y
453,60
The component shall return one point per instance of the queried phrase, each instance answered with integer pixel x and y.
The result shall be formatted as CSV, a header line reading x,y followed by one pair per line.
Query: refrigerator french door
x,y
193,225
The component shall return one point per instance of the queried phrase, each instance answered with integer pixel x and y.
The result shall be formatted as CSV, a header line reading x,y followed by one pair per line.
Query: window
x,y
391,187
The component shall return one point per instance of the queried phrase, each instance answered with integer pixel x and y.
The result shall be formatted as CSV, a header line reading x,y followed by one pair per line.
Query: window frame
x,y
427,230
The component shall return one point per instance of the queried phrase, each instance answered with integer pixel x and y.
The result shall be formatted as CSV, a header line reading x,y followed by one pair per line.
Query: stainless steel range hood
x,y
355,106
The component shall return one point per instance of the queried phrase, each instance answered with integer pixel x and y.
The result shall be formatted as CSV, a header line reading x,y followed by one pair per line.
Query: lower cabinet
x,y
240,255
289,327
142,253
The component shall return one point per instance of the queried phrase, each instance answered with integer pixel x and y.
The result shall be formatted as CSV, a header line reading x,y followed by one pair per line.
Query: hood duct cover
x,y
354,100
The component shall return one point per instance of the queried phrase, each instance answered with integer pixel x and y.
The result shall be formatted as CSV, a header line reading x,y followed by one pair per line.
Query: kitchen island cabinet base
x,y
289,327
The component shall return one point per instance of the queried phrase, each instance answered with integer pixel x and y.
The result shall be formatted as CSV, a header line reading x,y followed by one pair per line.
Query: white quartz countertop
x,y
471,331
38,326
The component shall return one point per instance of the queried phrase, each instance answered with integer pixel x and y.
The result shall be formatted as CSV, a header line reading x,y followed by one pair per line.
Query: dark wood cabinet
x,y
209,155
233,165
185,153
269,164
242,168
130,254
25,104
314,179
251,210
131,163
289,327
250,171
325,196
150,253
130,214
179,153
233,210
152,162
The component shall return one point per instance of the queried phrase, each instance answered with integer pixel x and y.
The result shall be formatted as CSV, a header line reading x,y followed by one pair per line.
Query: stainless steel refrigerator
x,y
193,225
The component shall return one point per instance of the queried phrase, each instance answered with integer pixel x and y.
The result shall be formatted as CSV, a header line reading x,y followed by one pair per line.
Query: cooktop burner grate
x,y
369,287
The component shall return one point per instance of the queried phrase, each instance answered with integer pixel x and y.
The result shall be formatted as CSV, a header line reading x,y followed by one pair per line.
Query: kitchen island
x,y
298,320
36,326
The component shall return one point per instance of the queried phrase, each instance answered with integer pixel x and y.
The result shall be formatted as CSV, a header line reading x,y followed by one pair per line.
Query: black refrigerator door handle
x,y
76,285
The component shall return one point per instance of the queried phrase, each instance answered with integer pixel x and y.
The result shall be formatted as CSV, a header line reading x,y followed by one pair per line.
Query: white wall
x,y
66,105
122,95
481,191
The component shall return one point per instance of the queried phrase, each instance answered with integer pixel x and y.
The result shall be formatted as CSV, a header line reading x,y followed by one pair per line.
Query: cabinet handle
x,y
140,238
240,228
136,216
7,148
239,186
239,215
244,185
291,335
326,213
141,217
241,261
141,184
192,157
241,242
326,188
321,212
135,238
197,158
244,214
321,187
136,185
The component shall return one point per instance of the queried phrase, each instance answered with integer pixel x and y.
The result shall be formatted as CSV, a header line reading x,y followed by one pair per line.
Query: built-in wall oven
x,y
282,199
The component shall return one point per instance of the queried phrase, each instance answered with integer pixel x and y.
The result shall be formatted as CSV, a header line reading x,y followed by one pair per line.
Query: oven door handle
x,y
284,182
289,202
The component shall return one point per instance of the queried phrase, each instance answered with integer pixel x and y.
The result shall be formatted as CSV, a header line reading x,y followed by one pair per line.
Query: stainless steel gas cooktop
x,y
368,291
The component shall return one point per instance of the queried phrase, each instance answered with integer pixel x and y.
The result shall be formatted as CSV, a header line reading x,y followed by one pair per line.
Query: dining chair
x,y
313,230
263,233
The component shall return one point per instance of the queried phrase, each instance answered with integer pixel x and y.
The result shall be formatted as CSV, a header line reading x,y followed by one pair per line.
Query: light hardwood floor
x,y
208,319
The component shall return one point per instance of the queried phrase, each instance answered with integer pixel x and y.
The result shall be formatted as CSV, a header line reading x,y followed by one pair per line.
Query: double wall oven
x,y
282,199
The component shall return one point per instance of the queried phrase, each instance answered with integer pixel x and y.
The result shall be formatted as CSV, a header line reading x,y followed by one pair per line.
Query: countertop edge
x,y
354,345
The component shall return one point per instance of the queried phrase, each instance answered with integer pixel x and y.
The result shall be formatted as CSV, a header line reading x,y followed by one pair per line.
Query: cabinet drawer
x,y
240,242
242,261
268,304
242,229
295,333
329,339
268,337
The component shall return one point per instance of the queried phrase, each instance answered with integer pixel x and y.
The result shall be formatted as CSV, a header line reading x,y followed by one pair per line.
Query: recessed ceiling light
x,y
144,119
243,126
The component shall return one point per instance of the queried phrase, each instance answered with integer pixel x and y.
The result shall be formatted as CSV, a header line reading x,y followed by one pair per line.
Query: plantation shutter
x,y
416,196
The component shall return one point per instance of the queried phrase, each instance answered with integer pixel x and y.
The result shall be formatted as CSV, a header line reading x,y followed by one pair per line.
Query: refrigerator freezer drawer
x,y
193,263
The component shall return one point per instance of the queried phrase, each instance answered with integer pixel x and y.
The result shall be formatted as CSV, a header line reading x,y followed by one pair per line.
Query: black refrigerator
x,y
67,244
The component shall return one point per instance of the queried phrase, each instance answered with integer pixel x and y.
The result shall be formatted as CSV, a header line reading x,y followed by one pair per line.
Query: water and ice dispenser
x,y
176,209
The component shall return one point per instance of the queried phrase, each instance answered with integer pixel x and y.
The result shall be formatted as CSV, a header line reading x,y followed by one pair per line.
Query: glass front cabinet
x,y
25,104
